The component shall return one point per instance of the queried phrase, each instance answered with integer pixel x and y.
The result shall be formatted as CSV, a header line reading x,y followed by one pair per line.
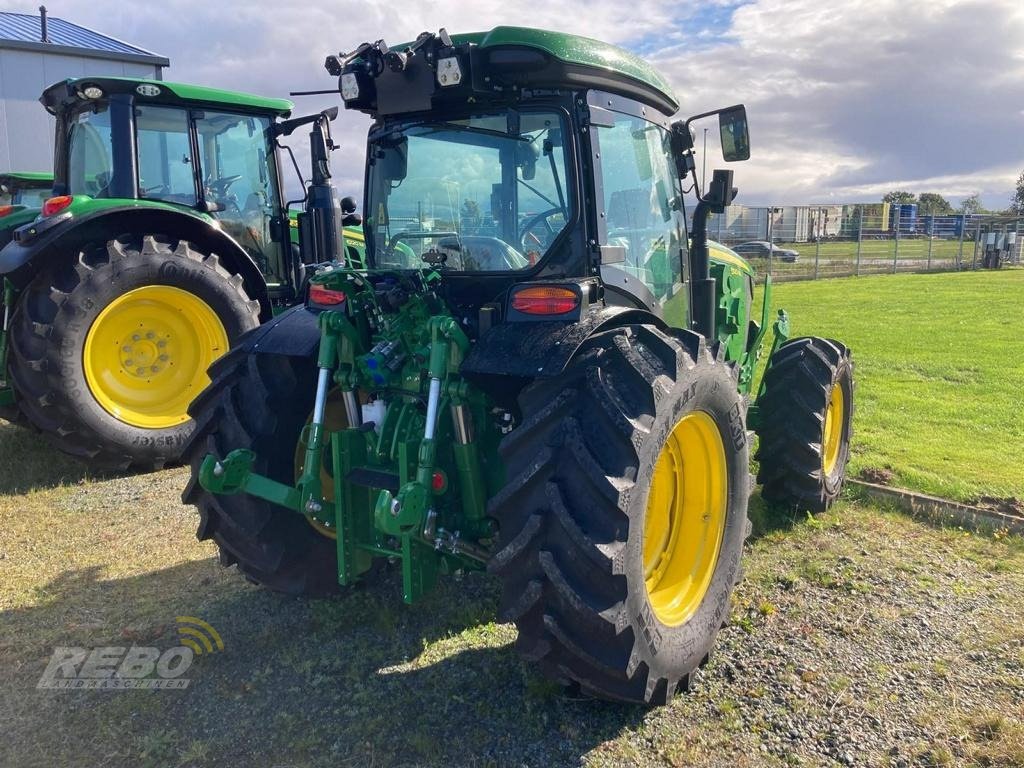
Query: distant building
x,y
37,51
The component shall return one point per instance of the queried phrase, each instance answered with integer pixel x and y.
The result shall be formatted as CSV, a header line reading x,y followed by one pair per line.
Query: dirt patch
x,y
1009,505
876,475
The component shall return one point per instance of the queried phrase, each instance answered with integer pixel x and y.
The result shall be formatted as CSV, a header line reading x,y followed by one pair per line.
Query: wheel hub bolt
x,y
136,337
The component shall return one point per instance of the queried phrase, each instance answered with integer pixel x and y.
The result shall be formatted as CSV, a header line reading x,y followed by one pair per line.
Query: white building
x,y
38,51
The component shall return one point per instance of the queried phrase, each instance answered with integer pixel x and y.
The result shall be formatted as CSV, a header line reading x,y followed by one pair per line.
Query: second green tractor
x,y
166,237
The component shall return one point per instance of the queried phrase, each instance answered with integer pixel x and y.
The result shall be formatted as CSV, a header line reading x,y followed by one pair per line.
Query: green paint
x,y
38,180
193,95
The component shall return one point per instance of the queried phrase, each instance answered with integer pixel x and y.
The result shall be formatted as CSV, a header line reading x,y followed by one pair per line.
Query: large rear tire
x,y
806,422
260,402
109,346
623,520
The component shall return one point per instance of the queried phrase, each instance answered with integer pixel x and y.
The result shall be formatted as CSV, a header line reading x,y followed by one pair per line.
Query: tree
x,y
1017,201
971,204
899,197
933,204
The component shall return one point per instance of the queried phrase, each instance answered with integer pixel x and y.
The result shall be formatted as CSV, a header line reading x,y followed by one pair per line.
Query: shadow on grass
x,y
356,680
768,518
30,463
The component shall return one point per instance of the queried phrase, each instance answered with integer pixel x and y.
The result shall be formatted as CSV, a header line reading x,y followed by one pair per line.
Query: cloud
x,y
845,98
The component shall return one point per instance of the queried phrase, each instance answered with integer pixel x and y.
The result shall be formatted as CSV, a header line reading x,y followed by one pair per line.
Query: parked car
x,y
759,249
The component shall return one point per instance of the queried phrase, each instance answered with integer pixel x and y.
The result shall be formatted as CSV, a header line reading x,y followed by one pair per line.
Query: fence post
x,y
771,217
817,244
960,252
977,239
931,234
860,237
896,245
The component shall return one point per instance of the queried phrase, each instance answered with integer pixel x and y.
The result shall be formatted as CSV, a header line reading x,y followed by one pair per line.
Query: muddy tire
x,y
260,402
82,380
806,422
580,549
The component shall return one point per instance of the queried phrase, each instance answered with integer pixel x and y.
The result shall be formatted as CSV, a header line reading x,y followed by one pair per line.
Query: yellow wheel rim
x,y
832,432
335,420
685,518
147,352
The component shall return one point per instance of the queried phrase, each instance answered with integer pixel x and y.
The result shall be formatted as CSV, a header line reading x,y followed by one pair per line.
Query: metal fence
x,y
812,241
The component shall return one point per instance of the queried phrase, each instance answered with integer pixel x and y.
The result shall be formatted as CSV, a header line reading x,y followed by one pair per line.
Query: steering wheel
x,y
532,241
220,186
217,190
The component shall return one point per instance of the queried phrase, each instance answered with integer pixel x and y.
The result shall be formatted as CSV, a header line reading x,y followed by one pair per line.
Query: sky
x,y
846,99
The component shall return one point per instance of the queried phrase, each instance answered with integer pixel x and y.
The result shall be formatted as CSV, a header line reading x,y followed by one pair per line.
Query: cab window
x,y
165,155
643,210
90,155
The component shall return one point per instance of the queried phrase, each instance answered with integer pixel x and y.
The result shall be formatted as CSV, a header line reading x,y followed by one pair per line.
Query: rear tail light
x,y
5,210
545,300
323,296
56,204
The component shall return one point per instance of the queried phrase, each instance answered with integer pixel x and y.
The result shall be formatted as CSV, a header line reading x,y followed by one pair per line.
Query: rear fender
x,y
21,261
543,349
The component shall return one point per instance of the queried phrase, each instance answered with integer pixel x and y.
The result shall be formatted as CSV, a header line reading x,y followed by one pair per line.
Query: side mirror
x,y
732,127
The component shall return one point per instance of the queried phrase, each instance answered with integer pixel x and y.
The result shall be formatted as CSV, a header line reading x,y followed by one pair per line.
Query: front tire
x,y
109,347
619,543
806,422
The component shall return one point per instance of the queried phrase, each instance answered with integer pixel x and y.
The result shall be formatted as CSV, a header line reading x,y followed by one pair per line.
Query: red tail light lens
x,y
5,210
318,294
56,204
545,301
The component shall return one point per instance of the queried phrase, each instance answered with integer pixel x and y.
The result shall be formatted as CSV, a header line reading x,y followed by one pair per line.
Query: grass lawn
x,y
859,637
859,634
939,365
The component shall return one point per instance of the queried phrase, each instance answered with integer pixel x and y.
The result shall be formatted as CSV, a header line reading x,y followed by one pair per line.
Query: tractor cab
x,y
196,148
518,155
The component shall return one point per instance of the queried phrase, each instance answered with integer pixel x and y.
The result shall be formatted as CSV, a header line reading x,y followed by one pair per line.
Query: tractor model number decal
x,y
736,427
645,619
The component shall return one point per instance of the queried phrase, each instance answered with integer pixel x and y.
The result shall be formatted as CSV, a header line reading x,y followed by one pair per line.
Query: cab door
x,y
640,222
240,186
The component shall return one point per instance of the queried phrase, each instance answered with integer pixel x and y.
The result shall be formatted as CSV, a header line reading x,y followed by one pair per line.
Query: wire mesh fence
x,y
805,242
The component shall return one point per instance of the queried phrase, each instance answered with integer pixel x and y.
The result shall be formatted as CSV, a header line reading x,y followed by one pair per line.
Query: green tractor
x,y
540,372
21,197
165,239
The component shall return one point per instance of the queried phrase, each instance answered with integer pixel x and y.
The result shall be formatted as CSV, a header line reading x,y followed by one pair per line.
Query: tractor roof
x,y
498,64
29,178
618,63
69,91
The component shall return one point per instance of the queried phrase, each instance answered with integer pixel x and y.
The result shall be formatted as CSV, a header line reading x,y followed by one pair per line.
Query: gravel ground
x,y
858,638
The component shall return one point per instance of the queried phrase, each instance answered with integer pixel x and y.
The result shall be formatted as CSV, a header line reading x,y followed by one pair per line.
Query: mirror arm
x,y
720,194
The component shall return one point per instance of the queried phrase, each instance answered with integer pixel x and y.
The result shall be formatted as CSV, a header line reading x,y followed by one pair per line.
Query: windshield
x,y
12,193
484,194
90,156
30,197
